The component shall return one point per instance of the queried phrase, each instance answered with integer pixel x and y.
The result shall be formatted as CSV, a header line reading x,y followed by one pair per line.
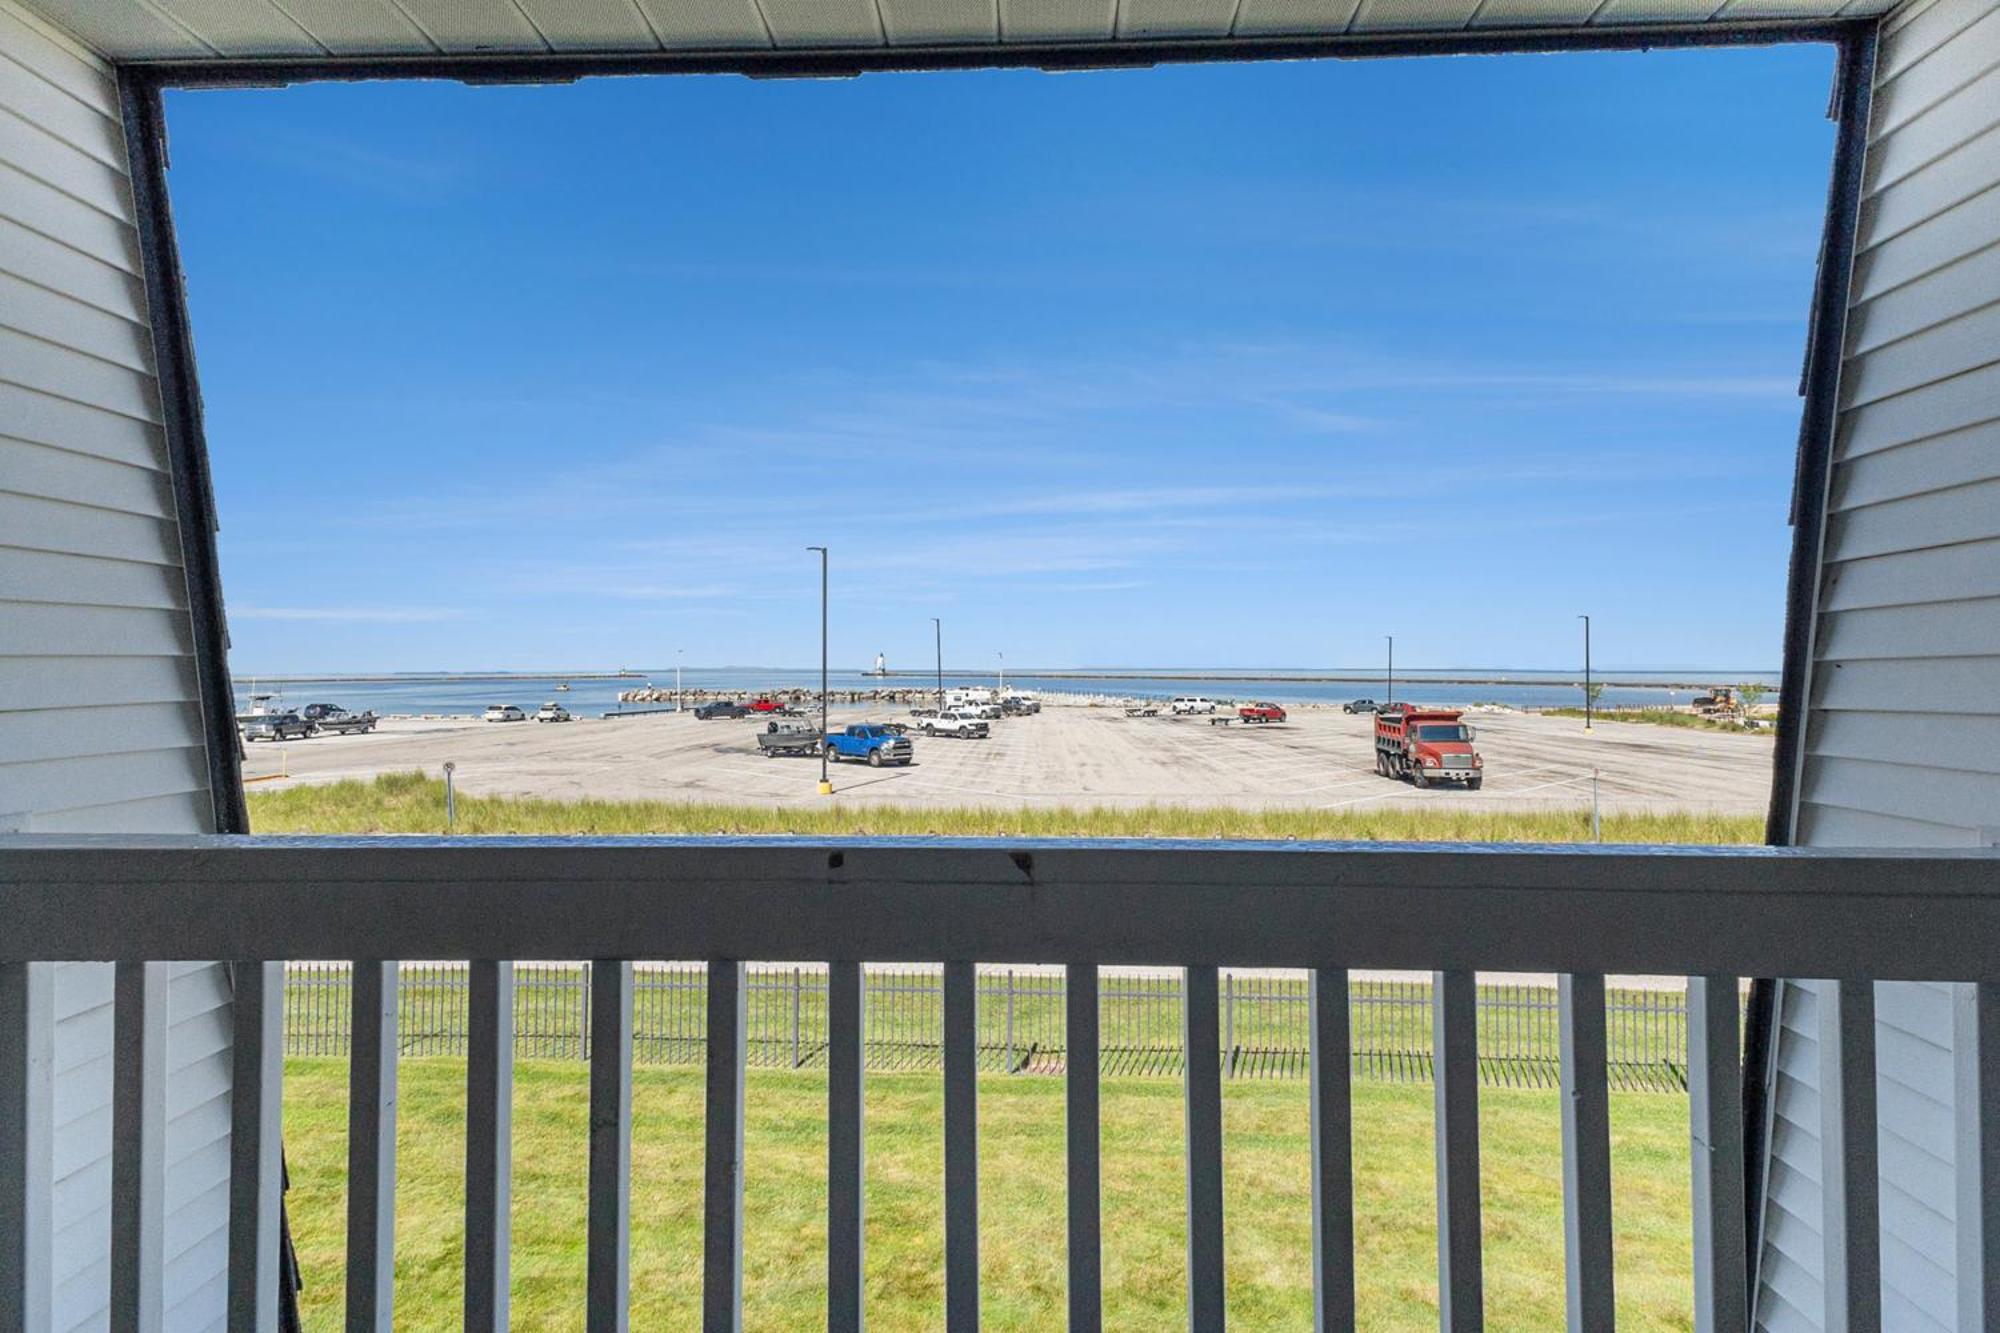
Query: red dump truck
x,y
1426,745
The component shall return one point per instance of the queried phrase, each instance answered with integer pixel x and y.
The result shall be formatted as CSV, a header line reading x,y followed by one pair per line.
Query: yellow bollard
x,y
826,789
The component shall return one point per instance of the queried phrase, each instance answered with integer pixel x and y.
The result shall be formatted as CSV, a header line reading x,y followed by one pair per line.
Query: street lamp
x,y
937,628
1391,697
1003,673
825,783
1586,671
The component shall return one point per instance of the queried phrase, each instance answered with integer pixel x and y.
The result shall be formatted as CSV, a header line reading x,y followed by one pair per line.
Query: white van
x,y
1192,703
504,713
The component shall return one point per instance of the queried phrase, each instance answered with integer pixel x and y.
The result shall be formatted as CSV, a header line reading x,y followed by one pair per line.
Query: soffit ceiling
x,y
224,30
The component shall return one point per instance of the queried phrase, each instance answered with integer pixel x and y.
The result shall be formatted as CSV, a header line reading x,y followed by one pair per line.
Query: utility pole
x,y
1586,671
825,783
1391,696
937,627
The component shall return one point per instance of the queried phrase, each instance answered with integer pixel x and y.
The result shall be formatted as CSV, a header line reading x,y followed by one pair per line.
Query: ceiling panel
x,y
591,25
1056,20
1414,15
358,27
1534,13
1175,18
1781,9
1275,18
224,29
1657,11
125,29
823,22
242,27
707,23
475,25
919,21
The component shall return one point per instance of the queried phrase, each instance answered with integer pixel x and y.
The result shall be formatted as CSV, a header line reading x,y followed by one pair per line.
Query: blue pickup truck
x,y
876,744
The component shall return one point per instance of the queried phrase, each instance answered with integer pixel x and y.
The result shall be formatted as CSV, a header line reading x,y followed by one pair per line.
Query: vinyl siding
x,y
100,725
1905,714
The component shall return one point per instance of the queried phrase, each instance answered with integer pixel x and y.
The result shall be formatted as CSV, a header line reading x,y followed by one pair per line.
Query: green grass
x,y
1664,717
1267,1164
414,803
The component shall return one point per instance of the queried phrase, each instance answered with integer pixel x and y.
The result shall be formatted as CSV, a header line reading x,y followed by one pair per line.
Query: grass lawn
x,y
413,803
1022,1243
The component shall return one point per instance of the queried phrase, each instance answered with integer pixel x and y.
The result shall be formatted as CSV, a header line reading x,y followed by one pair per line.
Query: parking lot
x,y
1066,755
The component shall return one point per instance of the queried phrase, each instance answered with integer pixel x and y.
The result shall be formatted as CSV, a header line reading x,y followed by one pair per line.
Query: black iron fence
x,y
1265,1021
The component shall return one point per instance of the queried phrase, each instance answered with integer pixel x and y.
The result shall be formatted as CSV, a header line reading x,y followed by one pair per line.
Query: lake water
x,y
1521,689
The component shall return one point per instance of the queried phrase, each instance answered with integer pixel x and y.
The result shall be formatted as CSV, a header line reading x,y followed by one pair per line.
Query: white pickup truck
x,y
960,722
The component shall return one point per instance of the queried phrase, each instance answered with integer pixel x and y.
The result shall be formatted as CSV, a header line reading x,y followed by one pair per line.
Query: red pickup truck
x,y
1426,745
1261,713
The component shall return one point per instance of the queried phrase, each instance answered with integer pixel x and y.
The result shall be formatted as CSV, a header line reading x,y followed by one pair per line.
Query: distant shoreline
x,y
1414,678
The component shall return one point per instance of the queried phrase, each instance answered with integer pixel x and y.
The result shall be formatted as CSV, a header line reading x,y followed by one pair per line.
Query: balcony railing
x,y
1712,915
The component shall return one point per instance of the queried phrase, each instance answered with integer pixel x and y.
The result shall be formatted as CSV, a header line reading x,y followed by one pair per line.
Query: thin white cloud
x,y
386,615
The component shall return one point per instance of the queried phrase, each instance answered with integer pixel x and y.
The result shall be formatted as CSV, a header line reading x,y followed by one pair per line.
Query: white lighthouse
x,y
881,666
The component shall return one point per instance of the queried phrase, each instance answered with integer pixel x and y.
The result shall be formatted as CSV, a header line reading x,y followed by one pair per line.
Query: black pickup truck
x,y
332,717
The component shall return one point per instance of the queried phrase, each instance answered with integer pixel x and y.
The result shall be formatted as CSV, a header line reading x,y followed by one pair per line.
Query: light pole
x,y
1392,670
937,628
1003,673
1586,671
680,700
825,783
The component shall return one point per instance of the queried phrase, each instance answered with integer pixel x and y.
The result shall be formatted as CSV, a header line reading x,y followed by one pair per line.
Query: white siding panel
x,y
1833,826
1949,741
358,27
1938,629
1939,518
1958,120
1956,458
1914,790
1963,400
1937,573
1935,240
1933,78
1914,30
58,682
1939,352
99,727
1909,685
59,474
33,523
1960,288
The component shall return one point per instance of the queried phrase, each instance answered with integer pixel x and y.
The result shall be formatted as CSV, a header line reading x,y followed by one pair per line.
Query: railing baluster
x,y
1715,1125
961,1148
1201,1039
722,1193
1586,1134
846,1003
489,1142
27,1125
608,1248
1084,1140
1976,1031
256,1188
1850,1186
1332,1151
1455,1068
138,1146
371,1146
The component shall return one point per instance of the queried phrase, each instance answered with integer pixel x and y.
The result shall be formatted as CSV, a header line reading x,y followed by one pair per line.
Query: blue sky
x,y
1237,365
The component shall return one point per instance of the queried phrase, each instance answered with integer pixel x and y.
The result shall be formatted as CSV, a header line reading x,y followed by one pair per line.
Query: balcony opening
x,y
1158,428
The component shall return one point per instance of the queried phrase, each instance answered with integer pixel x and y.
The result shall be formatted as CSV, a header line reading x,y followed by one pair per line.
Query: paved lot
x,y
1321,759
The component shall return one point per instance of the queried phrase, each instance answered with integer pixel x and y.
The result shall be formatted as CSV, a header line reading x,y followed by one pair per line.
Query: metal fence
x,y
1265,1022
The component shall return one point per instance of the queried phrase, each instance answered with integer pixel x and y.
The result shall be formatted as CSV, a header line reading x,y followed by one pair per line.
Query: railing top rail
x,y
1729,911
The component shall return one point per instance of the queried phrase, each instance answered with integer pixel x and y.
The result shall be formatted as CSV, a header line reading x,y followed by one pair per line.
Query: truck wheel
x,y
1473,784
1417,776
874,759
